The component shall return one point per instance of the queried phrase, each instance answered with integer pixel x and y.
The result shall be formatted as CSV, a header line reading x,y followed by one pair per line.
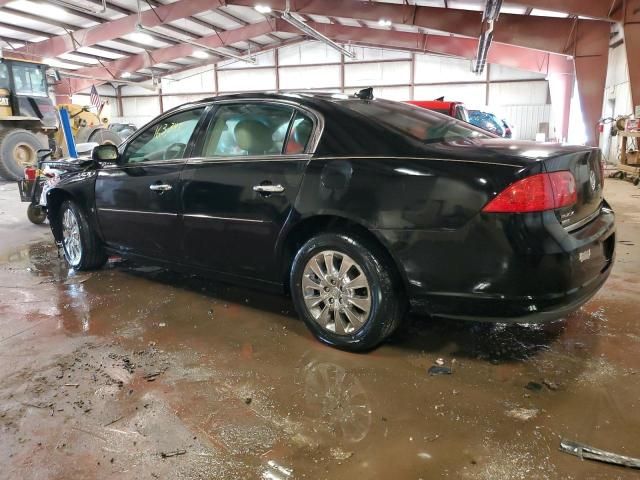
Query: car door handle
x,y
268,188
163,187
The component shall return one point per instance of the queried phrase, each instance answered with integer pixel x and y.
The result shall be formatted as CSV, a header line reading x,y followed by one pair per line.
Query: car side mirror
x,y
106,153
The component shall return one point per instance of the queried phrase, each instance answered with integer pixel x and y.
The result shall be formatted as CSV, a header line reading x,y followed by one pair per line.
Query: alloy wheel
x,y
71,237
336,292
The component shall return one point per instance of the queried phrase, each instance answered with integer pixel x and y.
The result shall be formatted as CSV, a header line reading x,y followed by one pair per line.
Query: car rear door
x,y
137,200
238,194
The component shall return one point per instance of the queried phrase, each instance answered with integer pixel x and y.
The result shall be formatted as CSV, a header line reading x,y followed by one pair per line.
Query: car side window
x,y
248,129
165,140
301,130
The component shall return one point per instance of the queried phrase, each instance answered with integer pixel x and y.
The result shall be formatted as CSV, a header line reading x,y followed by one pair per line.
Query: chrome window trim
x,y
249,158
155,163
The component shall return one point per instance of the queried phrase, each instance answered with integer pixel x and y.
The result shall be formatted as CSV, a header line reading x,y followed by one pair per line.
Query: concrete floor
x,y
102,373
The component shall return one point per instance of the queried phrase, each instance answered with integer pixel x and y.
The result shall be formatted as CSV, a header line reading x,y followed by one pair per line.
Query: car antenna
x,y
440,99
365,94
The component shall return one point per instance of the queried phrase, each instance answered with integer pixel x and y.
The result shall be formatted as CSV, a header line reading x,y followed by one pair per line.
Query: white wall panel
x,y
467,93
140,110
134,90
519,93
310,52
240,80
203,81
527,119
388,73
366,53
502,72
437,69
310,77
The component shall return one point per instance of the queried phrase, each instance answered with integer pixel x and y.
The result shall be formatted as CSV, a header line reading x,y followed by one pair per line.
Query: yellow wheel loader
x,y
29,119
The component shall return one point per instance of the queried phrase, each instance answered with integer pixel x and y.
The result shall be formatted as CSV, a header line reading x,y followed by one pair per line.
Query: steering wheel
x,y
175,150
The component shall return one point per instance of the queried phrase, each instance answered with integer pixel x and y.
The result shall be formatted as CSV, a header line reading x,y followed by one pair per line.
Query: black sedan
x,y
359,207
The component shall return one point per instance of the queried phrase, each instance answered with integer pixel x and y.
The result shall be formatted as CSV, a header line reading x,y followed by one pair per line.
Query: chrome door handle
x,y
268,188
160,188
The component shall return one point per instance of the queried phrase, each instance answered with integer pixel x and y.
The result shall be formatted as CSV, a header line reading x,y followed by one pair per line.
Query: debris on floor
x,y
523,414
340,454
437,370
585,451
174,453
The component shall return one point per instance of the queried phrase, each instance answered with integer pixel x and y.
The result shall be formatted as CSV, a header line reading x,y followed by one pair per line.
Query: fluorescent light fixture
x,y
141,37
125,75
262,8
312,32
200,54
384,22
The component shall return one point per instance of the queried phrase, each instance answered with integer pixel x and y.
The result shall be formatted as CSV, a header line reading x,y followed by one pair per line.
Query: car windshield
x,y
417,122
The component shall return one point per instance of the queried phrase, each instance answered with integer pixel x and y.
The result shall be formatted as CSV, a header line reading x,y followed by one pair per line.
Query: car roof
x,y
301,97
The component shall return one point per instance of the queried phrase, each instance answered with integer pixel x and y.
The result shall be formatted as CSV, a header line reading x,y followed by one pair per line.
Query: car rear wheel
x,y
82,248
346,291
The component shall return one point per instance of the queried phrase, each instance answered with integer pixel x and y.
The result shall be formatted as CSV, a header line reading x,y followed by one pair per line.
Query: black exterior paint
x,y
422,202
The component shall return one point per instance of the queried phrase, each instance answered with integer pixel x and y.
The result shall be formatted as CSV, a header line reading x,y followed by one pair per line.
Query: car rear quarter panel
x,y
401,192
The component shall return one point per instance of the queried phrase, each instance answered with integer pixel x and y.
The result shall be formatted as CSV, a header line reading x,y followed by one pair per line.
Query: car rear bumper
x,y
506,268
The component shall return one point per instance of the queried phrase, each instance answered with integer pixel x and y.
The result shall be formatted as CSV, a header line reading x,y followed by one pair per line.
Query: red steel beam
x,y
600,9
110,30
162,55
631,24
555,35
508,55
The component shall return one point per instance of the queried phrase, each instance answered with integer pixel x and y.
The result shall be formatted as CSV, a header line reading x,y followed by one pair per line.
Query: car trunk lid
x,y
586,167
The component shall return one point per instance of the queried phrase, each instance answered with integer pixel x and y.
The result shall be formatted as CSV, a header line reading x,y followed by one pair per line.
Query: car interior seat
x,y
254,137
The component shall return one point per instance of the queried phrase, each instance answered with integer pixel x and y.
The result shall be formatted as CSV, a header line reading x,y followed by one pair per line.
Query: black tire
x,y
36,214
104,135
25,143
92,254
387,305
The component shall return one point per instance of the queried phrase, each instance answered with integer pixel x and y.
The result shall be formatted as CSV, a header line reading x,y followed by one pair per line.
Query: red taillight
x,y
30,173
545,191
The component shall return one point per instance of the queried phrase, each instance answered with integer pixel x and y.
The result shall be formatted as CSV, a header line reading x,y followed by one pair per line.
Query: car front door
x,y
137,199
238,194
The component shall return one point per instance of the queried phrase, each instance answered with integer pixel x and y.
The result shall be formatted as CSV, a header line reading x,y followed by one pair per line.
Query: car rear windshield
x,y
419,123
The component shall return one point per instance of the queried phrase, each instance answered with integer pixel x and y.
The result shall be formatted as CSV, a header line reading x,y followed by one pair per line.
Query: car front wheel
x,y
346,291
82,248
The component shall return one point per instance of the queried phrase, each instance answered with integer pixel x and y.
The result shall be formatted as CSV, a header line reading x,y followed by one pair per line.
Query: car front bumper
x,y
505,268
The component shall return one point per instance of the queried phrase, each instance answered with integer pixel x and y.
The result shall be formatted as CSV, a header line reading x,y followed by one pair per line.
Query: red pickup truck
x,y
453,109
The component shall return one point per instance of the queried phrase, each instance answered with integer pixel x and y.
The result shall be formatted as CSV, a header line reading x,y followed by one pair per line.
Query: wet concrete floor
x,y
133,372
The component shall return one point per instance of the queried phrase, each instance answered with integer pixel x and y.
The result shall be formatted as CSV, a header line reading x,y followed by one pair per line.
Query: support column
x,y
561,89
631,22
591,53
